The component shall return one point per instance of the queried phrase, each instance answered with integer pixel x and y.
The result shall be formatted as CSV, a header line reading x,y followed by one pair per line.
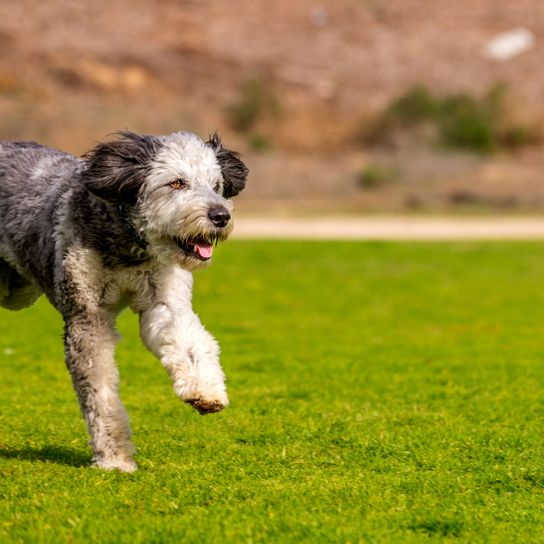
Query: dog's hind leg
x,y
16,293
90,340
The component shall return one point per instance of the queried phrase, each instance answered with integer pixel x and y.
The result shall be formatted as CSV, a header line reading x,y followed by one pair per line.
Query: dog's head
x,y
176,189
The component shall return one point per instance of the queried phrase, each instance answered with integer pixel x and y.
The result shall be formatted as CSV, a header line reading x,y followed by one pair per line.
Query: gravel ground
x,y
391,228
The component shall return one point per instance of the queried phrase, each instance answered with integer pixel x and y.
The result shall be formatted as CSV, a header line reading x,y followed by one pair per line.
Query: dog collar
x,y
130,228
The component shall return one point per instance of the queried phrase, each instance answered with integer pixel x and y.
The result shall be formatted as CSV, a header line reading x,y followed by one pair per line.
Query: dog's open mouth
x,y
198,248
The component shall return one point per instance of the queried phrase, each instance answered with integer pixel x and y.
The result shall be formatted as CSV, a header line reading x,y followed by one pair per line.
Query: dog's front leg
x,y
188,352
90,340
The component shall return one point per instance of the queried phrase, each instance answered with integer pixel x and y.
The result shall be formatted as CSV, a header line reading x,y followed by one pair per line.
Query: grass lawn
x,y
381,392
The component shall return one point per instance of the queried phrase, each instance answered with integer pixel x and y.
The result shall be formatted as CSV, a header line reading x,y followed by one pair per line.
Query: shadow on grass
x,y
48,454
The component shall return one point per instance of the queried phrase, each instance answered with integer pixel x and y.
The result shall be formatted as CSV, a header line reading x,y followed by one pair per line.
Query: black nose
x,y
219,216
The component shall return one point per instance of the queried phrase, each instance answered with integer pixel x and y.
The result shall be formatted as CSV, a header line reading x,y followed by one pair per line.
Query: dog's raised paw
x,y
206,406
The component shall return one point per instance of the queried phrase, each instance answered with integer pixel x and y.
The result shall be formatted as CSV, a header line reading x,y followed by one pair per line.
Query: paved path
x,y
391,228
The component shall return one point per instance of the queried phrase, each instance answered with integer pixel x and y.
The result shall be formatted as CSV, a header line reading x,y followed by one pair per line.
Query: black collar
x,y
130,228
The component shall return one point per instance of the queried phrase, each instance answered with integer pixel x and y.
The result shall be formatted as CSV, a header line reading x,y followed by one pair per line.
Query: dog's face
x,y
176,187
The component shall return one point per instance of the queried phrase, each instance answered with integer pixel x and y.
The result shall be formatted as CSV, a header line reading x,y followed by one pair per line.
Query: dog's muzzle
x,y
201,247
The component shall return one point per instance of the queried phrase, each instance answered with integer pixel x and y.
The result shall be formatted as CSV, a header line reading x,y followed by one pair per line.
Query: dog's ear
x,y
233,169
115,170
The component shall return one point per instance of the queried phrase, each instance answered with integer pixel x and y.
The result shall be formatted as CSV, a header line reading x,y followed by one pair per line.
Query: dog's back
x,y
32,178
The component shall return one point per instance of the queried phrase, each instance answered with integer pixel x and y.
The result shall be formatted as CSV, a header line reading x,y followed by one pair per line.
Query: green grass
x,y
380,392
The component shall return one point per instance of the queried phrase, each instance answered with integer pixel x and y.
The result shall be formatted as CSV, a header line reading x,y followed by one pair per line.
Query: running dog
x,y
125,225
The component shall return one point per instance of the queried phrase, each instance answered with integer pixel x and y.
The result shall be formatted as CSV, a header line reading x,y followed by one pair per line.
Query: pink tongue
x,y
204,250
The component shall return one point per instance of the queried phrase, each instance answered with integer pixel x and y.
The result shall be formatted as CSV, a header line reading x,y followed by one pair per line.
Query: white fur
x,y
173,332
161,295
91,285
167,213
160,291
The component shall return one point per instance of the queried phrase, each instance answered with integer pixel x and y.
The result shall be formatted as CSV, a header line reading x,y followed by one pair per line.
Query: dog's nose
x,y
219,216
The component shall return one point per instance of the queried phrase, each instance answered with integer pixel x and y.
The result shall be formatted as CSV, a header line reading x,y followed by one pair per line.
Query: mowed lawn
x,y
380,392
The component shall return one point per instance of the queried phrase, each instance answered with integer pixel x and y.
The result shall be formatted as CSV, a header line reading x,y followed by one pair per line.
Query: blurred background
x,y
338,106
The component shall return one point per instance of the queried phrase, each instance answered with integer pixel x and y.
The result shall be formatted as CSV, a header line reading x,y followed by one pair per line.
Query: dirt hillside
x,y
315,74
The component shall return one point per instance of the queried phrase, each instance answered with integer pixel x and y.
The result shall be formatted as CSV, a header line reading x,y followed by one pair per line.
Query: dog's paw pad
x,y
206,406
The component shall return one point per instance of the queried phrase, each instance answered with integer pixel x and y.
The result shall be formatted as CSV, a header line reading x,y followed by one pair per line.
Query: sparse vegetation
x,y
458,121
464,122
259,142
244,113
256,102
519,135
376,175
416,105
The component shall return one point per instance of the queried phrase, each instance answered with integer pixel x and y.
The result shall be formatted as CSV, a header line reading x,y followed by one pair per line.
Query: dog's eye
x,y
217,187
177,184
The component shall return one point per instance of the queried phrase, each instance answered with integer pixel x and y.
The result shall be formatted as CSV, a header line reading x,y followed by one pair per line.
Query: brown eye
x,y
177,184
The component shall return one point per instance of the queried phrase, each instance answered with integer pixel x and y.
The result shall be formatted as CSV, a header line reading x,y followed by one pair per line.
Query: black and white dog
x,y
123,226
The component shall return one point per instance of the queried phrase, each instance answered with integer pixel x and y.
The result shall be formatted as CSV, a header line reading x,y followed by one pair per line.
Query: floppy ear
x,y
116,170
233,169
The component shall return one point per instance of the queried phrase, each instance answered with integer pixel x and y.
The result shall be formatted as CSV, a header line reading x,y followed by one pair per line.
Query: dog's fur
x,y
124,226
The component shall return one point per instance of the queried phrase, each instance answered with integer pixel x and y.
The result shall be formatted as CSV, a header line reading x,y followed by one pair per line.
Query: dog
x,y
124,225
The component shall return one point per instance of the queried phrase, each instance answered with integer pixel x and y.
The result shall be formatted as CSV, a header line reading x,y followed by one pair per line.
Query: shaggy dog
x,y
124,226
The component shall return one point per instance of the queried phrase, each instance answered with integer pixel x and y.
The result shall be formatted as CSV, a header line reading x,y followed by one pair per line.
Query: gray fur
x,y
110,230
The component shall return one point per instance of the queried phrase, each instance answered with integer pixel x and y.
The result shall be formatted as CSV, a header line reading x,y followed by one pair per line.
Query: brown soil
x,y
72,72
